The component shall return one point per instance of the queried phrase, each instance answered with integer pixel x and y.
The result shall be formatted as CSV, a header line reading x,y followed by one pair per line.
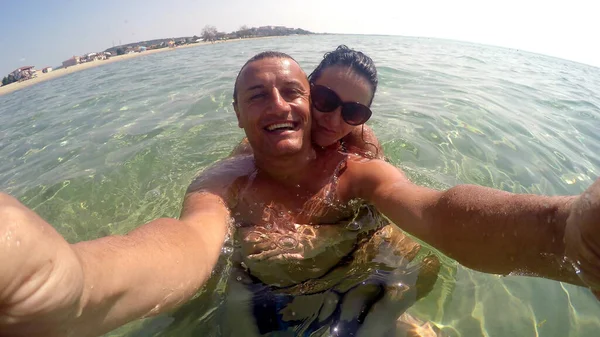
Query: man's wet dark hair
x,y
355,60
258,57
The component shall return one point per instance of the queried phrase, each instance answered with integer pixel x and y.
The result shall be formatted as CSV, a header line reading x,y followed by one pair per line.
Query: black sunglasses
x,y
326,100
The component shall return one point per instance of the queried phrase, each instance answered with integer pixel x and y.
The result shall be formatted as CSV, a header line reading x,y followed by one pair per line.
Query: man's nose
x,y
279,103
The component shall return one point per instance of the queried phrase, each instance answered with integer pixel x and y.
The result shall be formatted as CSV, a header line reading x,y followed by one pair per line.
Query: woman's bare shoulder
x,y
363,141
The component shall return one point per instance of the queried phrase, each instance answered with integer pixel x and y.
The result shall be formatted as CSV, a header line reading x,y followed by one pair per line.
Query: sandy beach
x,y
41,77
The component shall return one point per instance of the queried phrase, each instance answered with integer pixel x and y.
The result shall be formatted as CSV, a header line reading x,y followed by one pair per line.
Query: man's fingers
x,y
587,262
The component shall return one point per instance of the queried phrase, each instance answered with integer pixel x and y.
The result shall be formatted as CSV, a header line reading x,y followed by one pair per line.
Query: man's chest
x,y
261,203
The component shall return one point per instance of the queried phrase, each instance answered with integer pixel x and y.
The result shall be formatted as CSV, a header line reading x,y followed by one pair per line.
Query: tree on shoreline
x,y
8,79
209,33
242,32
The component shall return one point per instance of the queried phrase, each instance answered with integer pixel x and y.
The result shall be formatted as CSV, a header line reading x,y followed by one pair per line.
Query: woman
x,y
343,87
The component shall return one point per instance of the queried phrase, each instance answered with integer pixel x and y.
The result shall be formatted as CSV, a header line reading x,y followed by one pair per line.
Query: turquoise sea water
x,y
106,149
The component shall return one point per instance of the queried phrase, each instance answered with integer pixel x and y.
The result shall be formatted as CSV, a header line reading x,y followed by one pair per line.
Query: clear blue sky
x,y
44,33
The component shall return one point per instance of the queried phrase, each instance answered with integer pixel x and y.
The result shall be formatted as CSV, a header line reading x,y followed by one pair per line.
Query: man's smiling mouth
x,y
284,126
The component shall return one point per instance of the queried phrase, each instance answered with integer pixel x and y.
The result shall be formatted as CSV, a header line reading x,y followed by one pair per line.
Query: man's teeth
x,y
280,126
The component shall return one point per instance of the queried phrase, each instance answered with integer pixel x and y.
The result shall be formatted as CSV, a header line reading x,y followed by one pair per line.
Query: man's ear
x,y
237,114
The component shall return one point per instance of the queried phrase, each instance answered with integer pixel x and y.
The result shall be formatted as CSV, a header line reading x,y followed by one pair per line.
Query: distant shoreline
x,y
42,77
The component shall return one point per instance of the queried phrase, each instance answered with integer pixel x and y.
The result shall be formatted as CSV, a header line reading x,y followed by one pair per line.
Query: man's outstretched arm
x,y
51,288
482,228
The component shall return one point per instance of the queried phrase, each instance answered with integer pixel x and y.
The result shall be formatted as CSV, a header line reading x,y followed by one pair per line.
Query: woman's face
x,y
329,127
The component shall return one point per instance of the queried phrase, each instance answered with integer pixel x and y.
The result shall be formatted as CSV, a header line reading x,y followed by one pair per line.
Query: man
x,y
51,288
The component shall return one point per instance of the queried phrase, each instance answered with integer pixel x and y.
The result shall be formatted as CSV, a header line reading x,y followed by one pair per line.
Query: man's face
x,y
273,106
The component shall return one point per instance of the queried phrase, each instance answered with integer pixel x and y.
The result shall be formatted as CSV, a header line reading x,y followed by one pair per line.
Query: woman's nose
x,y
333,118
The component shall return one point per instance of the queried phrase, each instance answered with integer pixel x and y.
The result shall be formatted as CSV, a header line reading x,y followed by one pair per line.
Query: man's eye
x,y
257,96
293,93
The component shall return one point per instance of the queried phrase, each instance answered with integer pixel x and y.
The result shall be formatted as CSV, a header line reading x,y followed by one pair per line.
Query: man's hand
x,y
582,237
41,278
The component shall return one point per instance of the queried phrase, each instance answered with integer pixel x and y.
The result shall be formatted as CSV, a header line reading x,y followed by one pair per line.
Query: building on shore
x,y
93,57
23,73
75,60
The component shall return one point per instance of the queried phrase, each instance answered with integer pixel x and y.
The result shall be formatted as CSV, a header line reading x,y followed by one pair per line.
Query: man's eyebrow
x,y
293,82
258,86
262,86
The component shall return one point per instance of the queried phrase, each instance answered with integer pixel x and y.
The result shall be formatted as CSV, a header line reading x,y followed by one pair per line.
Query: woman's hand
x,y
582,237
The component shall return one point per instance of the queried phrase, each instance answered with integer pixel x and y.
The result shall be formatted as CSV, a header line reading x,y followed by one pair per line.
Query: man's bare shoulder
x,y
362,175
215,187
222,175
243,148
358,164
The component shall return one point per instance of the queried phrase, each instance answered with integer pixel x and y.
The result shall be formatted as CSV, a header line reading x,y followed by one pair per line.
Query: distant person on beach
x,y
51,288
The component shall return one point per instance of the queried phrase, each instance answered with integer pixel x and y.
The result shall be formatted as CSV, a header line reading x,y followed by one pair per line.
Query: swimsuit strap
x,y
343,146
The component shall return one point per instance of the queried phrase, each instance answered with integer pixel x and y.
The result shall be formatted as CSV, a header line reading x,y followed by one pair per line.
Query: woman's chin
x,y
322,142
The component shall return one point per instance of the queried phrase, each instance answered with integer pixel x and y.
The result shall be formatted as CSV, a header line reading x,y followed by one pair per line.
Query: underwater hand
x,y
285,255
582,237
41,277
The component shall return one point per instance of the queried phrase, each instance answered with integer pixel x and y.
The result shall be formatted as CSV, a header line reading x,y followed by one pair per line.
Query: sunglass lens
x,y
324,99
355,114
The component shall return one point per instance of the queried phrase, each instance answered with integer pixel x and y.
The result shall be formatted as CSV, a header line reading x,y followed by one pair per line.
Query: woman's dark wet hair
x,y
258,57
355,60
